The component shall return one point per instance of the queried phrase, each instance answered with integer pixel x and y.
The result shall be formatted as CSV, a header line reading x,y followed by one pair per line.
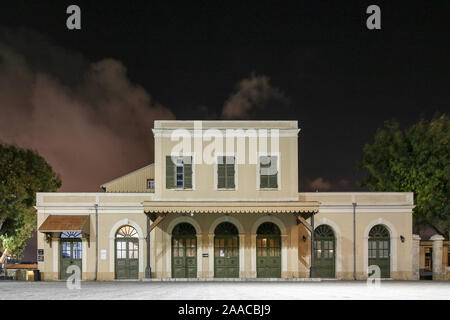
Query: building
x,y
208,208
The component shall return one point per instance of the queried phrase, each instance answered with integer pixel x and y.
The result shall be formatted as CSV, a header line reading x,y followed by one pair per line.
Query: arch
x,y
182,219
268,228
230,219
124,222
70,235
338,236
226,228
277,221
393,237
112,237
127,231
184,229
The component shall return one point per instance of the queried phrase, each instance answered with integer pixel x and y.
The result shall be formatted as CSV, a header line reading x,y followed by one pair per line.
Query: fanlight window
x,y
184,229
268,228
226,228
71,234
324,231
379,231
127,232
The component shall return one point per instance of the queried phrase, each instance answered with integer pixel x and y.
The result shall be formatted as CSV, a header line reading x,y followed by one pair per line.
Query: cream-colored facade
x,y
204,205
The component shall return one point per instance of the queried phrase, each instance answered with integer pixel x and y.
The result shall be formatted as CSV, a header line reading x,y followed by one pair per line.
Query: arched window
x,y
70,235
379,231
268,228
226,228
184,229
127,232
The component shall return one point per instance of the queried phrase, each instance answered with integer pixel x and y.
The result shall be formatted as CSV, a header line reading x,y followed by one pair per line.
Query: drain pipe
x,y
354,240
148,269
311,270
96,240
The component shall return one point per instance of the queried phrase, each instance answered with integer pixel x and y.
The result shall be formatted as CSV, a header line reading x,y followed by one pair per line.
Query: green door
x,y
71,253
268,251
184,251
380,250
324,252
226,251
127,253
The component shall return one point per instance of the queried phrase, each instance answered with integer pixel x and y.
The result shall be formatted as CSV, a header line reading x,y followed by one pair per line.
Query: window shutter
x,y
272,181
170,173
187,172
264,181
220,176
229,176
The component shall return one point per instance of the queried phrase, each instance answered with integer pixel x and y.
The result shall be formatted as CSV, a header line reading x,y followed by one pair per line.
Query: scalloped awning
x,y
231,206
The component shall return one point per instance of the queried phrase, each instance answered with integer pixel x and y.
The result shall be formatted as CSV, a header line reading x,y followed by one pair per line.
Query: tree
x,y
22,174
417,160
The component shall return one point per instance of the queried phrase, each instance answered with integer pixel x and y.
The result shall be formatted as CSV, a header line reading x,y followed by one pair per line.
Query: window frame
x,y
178,156
216,171
258,171
148,182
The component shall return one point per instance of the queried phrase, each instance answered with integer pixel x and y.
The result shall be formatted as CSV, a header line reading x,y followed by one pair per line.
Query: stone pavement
x,y
179,290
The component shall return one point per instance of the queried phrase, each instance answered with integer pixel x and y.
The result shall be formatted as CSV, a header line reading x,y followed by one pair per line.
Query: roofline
x,y
104,184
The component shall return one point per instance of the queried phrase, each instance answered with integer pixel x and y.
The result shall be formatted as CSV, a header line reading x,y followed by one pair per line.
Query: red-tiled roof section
x,y
60,223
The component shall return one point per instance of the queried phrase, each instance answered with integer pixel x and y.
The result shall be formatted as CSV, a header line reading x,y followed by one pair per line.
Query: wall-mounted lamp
x,y
304,239
402,238
191,214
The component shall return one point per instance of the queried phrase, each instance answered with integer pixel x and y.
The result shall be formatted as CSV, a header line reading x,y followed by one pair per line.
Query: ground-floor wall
x,y
294,238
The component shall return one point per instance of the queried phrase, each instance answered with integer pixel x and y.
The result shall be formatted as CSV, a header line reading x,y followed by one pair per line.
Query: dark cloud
x,y
87,119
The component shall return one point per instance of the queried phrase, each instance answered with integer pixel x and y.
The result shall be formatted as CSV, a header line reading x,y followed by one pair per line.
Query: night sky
x,y
86,99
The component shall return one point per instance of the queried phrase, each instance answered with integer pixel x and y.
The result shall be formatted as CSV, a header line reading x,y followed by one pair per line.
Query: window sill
x,y
181,189
268,189
226,189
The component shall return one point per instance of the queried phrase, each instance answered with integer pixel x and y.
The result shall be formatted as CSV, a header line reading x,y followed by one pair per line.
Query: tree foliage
x,y
22,174
416,159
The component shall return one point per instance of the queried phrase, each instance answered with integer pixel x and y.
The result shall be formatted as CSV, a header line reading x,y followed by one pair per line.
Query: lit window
x,y
150,184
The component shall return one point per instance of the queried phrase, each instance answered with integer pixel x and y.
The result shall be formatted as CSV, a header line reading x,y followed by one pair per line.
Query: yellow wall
x,y
135,181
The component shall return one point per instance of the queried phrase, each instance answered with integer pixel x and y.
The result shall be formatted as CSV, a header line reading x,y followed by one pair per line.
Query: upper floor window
x,y
150,184
268,172
178,172
225,172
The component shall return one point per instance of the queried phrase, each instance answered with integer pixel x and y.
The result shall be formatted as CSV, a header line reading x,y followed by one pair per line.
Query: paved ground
x,y
226,290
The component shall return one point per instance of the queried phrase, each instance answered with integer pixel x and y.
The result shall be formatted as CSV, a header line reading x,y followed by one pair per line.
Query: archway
x,y
184,251
127,253
226,251
71,252
268,251
379,249
324,252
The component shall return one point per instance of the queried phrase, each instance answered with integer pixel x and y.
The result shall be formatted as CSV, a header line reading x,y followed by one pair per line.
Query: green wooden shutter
x,y
221,175
229,182
272,181
170,173
187,163
264,181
